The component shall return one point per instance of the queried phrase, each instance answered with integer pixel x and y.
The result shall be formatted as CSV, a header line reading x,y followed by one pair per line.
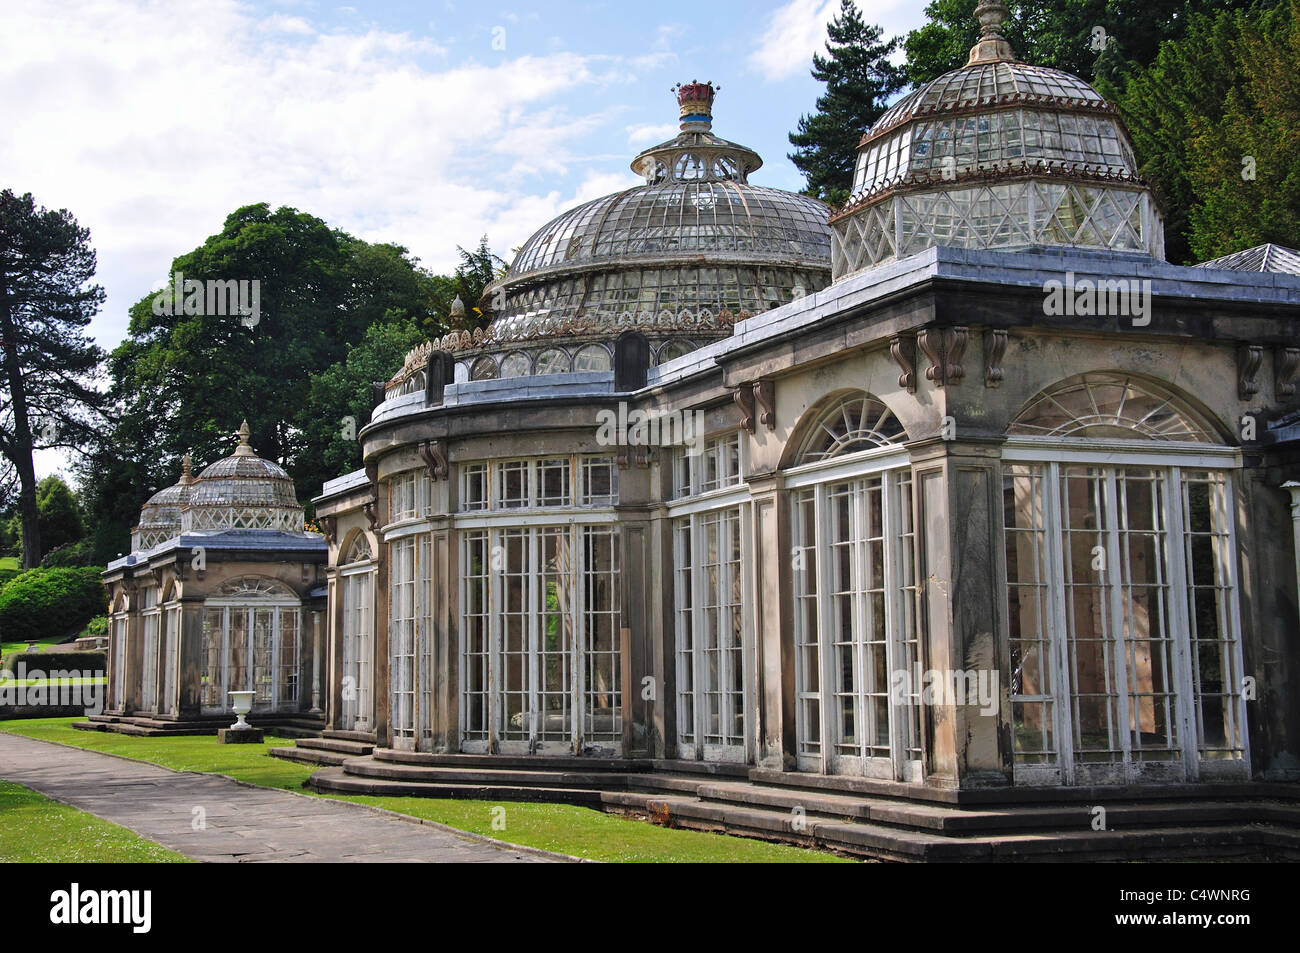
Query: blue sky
x,y
423,123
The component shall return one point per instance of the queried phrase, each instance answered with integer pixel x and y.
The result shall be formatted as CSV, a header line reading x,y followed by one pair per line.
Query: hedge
x,y
48,662
50,602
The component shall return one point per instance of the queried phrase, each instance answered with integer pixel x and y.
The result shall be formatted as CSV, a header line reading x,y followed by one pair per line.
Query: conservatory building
x,y
222,591
957,496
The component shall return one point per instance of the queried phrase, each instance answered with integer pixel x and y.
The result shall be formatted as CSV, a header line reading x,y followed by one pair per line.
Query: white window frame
x,y
1169,461
357,581
279,606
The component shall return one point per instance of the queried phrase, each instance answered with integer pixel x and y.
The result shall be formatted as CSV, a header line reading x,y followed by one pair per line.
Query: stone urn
x,y
242,702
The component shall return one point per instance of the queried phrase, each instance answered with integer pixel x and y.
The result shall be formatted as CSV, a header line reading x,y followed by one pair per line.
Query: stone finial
x,y
187,469
457,308
992,46
244,450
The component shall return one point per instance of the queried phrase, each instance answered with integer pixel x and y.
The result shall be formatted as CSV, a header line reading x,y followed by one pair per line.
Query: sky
x,y
427,124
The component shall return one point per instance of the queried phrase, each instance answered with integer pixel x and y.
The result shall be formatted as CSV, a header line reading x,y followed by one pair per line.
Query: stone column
x,y
1294,489
315,661
961,571
773,623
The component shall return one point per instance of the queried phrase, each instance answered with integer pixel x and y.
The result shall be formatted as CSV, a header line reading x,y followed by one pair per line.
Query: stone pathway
x,y
243,824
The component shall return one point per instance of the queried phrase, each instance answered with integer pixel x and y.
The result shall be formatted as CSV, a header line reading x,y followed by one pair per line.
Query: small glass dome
x,y
243,491
160,517
998,155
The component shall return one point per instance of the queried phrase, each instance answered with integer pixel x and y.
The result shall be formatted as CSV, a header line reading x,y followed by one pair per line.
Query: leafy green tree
x,y
1242,164
339,402
58,517
859,80
184,381
48,396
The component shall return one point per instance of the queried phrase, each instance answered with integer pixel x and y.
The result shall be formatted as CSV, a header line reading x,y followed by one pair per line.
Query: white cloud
x,y
646,135
153,122
794,32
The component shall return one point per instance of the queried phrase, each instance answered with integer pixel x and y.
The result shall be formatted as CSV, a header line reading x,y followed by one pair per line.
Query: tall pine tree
x,y
859,80
47,362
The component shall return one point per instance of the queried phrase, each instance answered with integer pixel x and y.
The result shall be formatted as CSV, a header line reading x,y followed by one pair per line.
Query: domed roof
x,y
996,154
243,491
160,517
682,256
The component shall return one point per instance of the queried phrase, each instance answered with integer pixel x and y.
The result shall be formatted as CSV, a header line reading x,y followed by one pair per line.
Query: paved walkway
x,y
243,824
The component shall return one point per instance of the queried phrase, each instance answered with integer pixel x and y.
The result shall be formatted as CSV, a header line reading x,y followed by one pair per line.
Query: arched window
x,y
593,357
1114,406
250,643
851,424
671,350
1121,588
484,369
516,364
855,593
553,361
358,550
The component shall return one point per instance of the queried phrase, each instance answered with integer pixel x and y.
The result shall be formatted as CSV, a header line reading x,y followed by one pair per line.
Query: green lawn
x,y
34,829
579,831
9,562
7,647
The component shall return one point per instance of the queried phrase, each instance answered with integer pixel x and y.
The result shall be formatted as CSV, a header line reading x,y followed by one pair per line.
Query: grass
x,y
34,829
9,562
579,831
7,647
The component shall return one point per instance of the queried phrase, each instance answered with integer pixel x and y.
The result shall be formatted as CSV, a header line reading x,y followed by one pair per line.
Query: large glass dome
x,y
997,154
680,258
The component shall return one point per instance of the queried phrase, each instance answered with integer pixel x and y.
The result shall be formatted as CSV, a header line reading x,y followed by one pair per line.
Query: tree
x,y
47,396
1092,39
184,381
1242,164
339,402
59,517
859,80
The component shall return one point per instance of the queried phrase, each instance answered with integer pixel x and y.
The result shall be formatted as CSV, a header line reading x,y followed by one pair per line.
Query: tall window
x,y
151,619
713,632
855,592
251,643
541,665
408,639
1125,647
357,581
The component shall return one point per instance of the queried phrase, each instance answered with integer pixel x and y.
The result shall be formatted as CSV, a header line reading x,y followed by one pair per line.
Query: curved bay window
x,y
855,595
1122,588
714,653
541,664
357,584
250,643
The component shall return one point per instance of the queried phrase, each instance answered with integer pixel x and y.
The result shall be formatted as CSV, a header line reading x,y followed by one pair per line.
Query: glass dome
x,y
160,517
680,258
243,491
997,154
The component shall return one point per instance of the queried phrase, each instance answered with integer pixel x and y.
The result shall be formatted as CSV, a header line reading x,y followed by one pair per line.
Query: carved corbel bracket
x,y
1286,362
744,398
903,349
435,459
328,526
1249,359
944,347
371,507
633,455
995,349
765,396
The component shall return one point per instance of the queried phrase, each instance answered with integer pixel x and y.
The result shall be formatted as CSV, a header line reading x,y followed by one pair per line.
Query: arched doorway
x,y
251,643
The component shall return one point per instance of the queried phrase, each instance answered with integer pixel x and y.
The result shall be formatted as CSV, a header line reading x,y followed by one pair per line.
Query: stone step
x,y
337,781
308,756
339,745
90,726
508,761
348,735
726,769
375,768
288,731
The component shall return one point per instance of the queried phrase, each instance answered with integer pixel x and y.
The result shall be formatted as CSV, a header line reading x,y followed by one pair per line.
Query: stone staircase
x,y
332,747
857,816
300,725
